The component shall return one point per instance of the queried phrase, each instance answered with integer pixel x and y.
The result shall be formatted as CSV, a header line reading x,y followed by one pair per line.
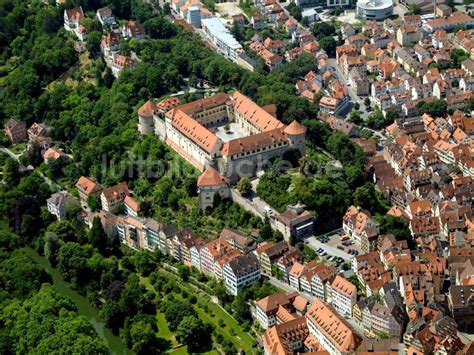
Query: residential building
x,y
87,186
343,295
73,22
57,204
295,222
267,308
321,277
461,304
121,63
286,338
407,35
132,206
241,272
359,81
16,131
109,45
53,154
331,329
383,320
112,198
243,243
105,17
270,255
133,29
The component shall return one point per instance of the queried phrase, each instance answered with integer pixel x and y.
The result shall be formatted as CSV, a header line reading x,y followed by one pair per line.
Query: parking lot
x,y
334,247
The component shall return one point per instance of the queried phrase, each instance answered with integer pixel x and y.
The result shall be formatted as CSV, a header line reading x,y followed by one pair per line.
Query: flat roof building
x,y
221,37
374,9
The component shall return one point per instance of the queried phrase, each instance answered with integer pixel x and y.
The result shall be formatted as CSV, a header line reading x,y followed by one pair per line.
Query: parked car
x,y
340,247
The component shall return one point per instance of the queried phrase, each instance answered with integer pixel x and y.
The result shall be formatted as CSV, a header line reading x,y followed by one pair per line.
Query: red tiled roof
x,y
211,177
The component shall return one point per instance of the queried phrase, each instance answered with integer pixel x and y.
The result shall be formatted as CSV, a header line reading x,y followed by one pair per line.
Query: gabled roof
x,y
88,185
333,326
254,113
193,130
132,203
118,191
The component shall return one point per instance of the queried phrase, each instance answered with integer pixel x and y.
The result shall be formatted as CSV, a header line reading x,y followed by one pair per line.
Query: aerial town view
x,y
242,177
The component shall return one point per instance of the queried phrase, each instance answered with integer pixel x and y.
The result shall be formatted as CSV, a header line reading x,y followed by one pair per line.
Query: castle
x,y
228,132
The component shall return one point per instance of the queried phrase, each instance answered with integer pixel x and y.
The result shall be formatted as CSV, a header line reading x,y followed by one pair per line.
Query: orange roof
x,y
342,285
253,142
132,203
295,128
168,104
254,113
333,327
272,302
147,109
300,303
211,177
328,101
87,185
53,153
119,191
193,129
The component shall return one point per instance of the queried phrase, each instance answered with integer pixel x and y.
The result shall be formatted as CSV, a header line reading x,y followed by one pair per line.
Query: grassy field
x,y
213,315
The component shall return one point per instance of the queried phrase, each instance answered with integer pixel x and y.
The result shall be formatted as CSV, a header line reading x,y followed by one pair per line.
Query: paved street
x,y
284,286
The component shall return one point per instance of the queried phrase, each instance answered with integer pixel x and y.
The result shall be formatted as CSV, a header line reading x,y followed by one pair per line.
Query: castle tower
x,y
296,134
146,114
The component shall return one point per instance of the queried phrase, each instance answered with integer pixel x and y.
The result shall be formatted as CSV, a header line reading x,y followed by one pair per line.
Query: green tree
x,y
64,230
48,323
329,45
93,43
355,117
159,27
52,244
94,203
323,29
192,332
97,235
176,311
435,108
244,186
415,9
183,272
11,172
144,339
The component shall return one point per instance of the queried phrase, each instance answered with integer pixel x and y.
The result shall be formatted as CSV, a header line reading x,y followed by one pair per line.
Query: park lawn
x,y
240,339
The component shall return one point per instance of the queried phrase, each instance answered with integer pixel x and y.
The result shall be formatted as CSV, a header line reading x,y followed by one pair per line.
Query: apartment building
x,y
343,295
112,197
331,329
87,186
241,272
57,204
267,308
